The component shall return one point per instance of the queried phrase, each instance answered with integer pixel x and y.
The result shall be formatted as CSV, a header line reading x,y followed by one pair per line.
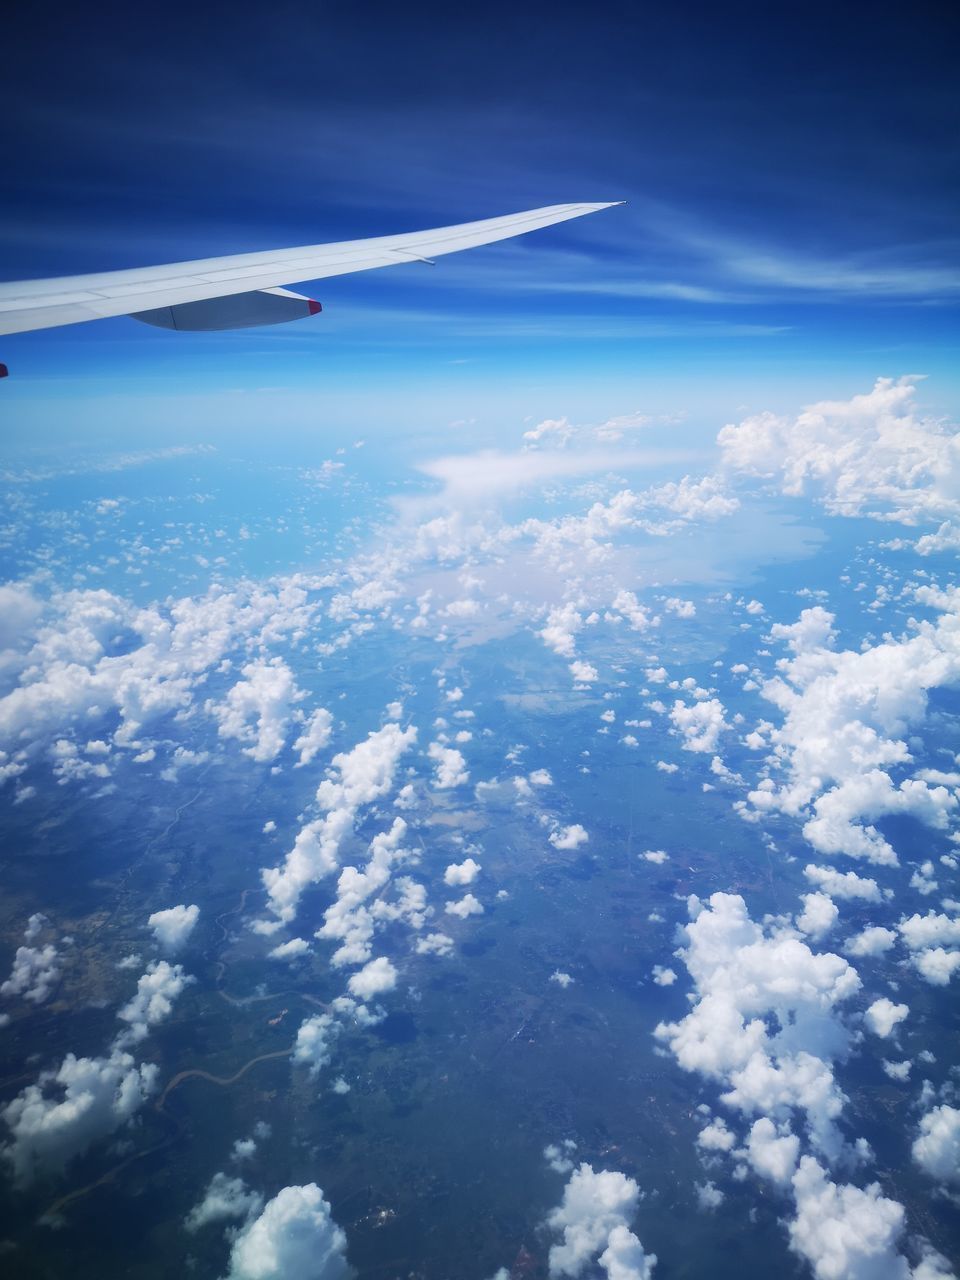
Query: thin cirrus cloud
x,y
492,471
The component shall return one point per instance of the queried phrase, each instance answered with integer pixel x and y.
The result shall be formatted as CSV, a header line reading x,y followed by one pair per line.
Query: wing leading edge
x,y
166,295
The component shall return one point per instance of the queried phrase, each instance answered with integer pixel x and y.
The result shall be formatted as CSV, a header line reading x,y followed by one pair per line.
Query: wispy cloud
x,y
470,476
113,462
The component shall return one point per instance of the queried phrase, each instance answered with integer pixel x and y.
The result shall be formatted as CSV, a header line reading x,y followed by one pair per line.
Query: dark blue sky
x,y
791,171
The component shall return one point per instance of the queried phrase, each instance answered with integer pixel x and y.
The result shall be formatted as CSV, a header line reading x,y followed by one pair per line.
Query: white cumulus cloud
x,y
883,1015
314,1046
36,970
224,1199
173,926
256,710
157,989
743,975
314,736
700,724
451,768
845,717
70,1108
871,454
937,1149
594,1218
468,905
842,884
819,915
294,1235
571,837
872,941
843,1231
461,873
355,778
373,979
290,950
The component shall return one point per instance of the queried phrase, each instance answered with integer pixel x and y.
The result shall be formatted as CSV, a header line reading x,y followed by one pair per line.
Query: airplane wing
x,y
243,290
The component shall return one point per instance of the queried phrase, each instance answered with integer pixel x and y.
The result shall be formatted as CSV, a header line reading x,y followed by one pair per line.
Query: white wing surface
x,y
242,290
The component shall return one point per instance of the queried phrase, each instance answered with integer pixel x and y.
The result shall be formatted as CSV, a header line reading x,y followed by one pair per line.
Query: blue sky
x,y
790,232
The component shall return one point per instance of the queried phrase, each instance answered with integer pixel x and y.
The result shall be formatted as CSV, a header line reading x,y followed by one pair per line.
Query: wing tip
x,y
585,208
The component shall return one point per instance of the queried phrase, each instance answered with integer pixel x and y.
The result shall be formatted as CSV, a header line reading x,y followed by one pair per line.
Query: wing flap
x,y
42,304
